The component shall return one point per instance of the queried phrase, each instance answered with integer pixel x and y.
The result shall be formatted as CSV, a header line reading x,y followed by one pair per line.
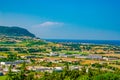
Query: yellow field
x,y
115,55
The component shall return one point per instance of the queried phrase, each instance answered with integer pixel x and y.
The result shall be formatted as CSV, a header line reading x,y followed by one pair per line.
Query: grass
x,y
74,52
117,66
3,54
3,77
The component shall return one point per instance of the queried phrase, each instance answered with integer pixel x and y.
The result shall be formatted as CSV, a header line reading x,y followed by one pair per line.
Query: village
x,y
55,61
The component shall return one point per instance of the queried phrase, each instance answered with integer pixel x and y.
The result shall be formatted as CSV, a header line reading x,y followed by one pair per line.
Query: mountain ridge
x,y
15,31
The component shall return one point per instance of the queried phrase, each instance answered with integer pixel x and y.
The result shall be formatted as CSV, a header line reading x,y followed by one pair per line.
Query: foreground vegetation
x,y
66,74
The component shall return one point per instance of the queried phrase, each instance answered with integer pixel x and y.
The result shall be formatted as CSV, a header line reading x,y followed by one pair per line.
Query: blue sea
x,y
106,42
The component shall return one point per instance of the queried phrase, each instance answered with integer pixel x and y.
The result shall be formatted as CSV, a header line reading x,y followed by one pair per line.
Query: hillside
x,y
15,31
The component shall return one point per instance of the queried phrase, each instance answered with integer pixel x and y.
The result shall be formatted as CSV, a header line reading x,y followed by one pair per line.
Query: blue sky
x,y
64,19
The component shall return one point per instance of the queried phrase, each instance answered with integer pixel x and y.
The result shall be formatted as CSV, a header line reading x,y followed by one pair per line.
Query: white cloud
x,y
49,23
45,28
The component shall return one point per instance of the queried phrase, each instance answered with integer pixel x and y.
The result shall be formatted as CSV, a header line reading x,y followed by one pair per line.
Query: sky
x,y
64,19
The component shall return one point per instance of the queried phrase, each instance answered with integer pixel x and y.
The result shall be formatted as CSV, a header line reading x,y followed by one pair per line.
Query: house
x,y
75,67
21,61
15,62
53,54
13,70
109,58
6,63
94,56
63,55
40,68
58,69
66,55
70,56
44,69
80,56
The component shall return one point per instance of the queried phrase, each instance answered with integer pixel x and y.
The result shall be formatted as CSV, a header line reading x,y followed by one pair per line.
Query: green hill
x,y
15,31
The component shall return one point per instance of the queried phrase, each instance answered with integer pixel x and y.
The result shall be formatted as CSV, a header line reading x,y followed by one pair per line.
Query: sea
x,y
102,42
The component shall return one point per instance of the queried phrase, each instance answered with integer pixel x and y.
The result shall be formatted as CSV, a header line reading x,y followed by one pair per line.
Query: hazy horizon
x,y
64,19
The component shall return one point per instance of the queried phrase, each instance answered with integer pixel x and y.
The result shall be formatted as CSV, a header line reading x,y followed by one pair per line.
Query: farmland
x,y
41,56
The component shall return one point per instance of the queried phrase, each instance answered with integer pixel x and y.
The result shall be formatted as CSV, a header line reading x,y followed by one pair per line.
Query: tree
x,y
9,74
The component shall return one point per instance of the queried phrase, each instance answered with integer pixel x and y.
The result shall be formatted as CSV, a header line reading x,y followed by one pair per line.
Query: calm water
x,y
109,42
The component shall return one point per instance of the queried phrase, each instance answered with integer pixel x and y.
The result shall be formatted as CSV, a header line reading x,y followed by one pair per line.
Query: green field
x,y
2,77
